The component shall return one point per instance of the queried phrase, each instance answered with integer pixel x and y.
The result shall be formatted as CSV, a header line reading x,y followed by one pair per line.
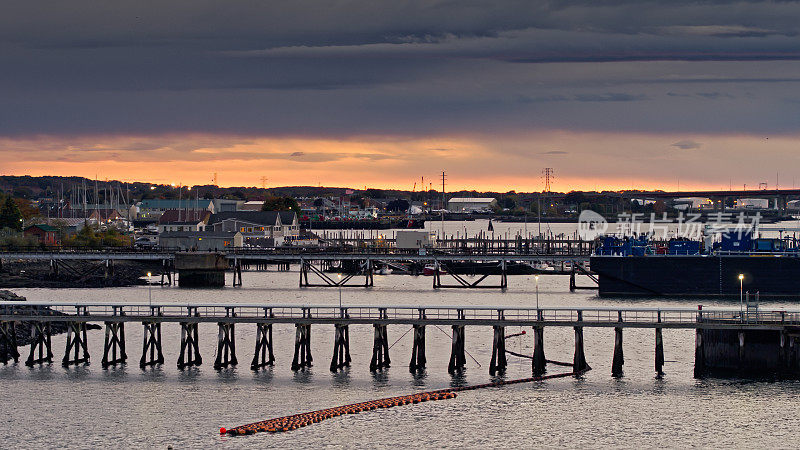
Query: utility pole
x,y
444,177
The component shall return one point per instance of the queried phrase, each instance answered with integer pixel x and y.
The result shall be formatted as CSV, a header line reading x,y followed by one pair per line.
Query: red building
x,y
45,233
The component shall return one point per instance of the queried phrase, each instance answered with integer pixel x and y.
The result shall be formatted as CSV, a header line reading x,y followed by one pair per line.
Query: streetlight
x,y
149,289
340,292
741,295
537,290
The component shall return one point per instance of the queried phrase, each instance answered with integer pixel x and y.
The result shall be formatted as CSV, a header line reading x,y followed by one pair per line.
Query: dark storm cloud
x,y
396,68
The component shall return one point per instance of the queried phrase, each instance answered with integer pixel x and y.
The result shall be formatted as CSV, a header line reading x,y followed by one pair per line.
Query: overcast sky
x,y
611,94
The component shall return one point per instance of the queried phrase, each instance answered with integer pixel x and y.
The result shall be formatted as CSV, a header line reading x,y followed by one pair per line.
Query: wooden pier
x,y
716,330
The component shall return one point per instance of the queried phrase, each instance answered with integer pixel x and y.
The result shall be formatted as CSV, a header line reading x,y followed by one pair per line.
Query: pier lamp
x,y
340,292
149,289
537,290
741,296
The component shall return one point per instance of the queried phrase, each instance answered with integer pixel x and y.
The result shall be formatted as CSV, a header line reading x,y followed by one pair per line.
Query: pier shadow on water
x,y
264,375
153,373
228,375
304,376
341,378
380,378
189,375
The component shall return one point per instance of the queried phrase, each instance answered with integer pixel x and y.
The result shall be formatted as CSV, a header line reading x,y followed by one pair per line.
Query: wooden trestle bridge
x,y
227,317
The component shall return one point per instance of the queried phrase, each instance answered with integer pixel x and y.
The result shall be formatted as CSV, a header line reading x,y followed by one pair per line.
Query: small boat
x,y
430,270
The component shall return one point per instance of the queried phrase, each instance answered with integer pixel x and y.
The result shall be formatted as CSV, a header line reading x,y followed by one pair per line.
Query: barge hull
x,y
697,275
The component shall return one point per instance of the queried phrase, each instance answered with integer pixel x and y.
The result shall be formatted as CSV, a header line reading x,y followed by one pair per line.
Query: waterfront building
x,y
469,205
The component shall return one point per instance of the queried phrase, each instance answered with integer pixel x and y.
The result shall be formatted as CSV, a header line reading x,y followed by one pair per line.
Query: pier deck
x,y
588,316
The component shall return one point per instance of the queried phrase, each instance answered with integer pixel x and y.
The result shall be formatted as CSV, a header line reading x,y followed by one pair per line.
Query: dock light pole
x,y
340,292
537,290
741,295
149,289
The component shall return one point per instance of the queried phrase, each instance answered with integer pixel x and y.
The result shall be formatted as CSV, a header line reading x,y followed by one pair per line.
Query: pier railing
x,y
402,314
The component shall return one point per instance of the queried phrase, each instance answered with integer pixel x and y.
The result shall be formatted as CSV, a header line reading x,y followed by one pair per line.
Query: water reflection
x,y
264,375
153,373
227,374
189,374
341,378
304,376
380,378
459,379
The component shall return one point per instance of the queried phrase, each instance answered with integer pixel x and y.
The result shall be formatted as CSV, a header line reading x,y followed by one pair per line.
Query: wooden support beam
x,y
579,363
151,345
8,342
263,355
341,348
302,347
226,346
619,359
76,342
659,354
190,348
418,359
539,362
41,340
114,342
457,352
499,362
380,349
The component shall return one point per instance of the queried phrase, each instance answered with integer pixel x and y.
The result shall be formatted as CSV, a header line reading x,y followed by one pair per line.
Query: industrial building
x,y
469,205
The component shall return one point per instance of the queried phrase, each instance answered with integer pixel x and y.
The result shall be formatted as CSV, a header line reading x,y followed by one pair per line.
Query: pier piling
x,y
341,348
659,353
539,361
380,347
114,343
8,342
302,347
190,346
226,346
263,355
41,340
457,357
579,363
151,345
619,359
76,342
498,363
418,359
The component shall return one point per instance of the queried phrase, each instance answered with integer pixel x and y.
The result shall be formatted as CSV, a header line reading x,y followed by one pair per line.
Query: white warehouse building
x,y
471,204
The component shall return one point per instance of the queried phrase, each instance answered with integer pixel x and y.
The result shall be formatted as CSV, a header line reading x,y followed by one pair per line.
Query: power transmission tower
x,y
264,182
548,174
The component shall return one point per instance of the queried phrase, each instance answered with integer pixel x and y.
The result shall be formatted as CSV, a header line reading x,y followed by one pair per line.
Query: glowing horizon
x,y
582,161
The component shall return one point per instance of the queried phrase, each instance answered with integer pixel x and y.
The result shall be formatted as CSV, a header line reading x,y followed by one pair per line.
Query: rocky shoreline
x,y
38,274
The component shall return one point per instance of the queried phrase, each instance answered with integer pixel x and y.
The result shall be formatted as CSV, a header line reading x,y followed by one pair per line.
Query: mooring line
x,y
465,351
293,422
401,337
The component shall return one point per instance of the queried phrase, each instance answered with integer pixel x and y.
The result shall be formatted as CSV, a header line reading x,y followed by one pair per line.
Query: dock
x,y
726,338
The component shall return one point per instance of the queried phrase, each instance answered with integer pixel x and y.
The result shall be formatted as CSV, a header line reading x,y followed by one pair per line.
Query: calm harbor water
x,y
89,406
